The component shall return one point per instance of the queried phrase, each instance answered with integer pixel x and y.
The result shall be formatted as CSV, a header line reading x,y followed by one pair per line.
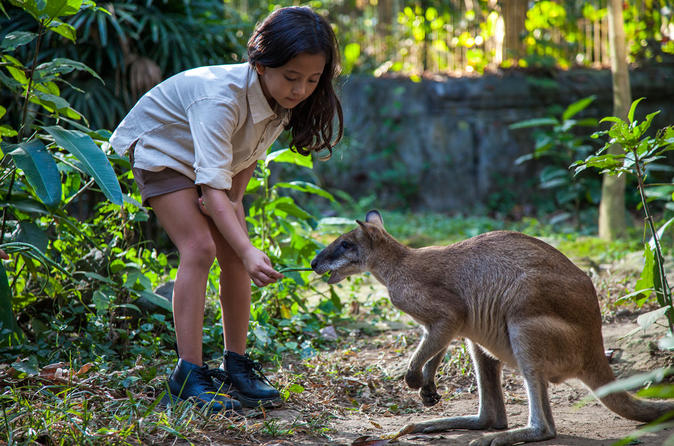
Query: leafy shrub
x,y
557,141
640,151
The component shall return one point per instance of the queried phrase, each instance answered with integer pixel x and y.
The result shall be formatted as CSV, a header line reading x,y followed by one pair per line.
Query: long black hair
x,y
284,34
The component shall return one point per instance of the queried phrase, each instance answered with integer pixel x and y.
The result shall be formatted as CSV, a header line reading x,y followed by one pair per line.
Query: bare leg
x,y
191,236
492,407
235,295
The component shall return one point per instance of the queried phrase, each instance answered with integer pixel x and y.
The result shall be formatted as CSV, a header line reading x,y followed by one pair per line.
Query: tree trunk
x,y
514,18
612,222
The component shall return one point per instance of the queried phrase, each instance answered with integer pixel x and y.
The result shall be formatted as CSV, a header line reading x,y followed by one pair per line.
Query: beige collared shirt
x,y
208,123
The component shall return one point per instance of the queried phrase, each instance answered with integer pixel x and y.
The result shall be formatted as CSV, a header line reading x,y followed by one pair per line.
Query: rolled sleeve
x,y
212,124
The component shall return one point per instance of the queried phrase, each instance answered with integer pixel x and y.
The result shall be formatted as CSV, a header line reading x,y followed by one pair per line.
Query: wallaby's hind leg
x,y
541,426
492,412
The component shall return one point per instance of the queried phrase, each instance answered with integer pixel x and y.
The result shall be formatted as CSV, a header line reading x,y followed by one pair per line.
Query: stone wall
x,y
445,145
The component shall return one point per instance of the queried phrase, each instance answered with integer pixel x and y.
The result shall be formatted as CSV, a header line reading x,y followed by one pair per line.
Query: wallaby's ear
x,y
366,227
368,230
373,216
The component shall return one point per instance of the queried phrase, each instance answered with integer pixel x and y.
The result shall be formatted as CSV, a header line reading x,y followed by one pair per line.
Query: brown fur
x,y
516,300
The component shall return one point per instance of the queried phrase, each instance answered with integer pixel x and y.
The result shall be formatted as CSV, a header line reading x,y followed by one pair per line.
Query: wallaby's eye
x,y
345,244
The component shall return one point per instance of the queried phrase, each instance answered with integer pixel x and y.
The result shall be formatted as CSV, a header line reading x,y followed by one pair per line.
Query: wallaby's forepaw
x,y
414,380
429,397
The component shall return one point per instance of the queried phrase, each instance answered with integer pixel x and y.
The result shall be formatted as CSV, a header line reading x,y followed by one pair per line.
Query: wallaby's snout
x,y
318,264
340,259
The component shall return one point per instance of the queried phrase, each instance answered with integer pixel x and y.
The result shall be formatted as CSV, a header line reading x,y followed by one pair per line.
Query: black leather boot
x,y
242,378
190,381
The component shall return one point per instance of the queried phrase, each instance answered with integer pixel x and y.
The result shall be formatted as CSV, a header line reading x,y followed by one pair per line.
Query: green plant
x,y
559,144
75,267
38,154
281,319
639,152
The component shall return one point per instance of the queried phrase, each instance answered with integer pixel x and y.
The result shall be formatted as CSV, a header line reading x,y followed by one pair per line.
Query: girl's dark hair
x,y
284,34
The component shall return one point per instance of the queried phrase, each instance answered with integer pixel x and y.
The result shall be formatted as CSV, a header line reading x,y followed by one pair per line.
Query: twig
x,y
293,268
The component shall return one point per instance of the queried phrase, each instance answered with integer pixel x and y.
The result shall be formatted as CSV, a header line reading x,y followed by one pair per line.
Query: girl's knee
x,y
199,251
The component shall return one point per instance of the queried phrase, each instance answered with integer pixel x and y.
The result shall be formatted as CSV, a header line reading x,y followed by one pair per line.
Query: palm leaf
x,y
40,169
94,161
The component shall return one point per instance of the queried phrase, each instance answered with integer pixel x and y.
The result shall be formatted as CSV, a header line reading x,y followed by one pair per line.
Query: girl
x,y
194,141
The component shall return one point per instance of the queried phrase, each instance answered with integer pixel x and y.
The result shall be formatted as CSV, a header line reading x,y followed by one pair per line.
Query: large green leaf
x,y
64,29
536,122
27,205
633,382
92,158
288,156
156,299
40,169
49,9
49,101
15,39
577,107
304,186
288,206
6,314
633,107
30,233
61,65
646,280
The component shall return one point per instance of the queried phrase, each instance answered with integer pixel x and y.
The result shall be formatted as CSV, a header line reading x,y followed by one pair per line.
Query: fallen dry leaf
x,y
369,440
84,369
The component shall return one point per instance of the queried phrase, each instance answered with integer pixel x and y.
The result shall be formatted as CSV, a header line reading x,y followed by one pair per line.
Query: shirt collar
x,y
259,107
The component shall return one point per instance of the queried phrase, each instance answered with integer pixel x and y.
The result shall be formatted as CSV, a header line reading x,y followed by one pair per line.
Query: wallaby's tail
x,y
637,409
623,403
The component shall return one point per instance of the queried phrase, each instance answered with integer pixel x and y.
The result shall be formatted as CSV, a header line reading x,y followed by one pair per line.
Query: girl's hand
x,y
259,267
202,206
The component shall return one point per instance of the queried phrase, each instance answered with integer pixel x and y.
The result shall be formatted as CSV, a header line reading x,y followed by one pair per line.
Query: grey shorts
x,y
152,184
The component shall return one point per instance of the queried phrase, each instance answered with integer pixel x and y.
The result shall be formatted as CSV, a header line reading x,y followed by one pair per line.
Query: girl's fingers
x,y
264,278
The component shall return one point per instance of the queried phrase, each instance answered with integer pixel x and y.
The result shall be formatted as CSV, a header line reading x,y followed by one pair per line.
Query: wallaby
x,y
515,299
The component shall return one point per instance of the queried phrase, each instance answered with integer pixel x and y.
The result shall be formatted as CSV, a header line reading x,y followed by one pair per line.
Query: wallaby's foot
x,y
507,438
430,397
414,379
472,422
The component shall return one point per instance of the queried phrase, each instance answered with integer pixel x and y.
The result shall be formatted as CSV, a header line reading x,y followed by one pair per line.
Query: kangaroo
x,y
515,299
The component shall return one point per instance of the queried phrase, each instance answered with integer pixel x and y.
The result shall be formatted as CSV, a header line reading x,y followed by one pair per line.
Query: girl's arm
x,y
235,193
226,210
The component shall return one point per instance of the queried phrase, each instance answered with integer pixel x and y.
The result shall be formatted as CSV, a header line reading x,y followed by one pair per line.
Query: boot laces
x,y
255,370
219,374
